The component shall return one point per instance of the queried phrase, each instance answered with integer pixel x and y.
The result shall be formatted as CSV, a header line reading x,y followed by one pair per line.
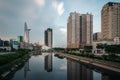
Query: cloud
x,y
63,67
63,31
59,6
15,13
40,2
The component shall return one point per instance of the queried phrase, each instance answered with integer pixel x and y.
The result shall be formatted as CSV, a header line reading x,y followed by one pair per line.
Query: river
x,y
48,66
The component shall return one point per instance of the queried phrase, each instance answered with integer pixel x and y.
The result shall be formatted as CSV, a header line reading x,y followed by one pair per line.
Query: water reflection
x,y
48,62
35,53
45,66
26,69
78,71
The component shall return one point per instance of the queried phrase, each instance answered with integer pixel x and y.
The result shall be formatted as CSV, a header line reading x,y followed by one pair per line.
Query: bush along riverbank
x,y
110,57
9,63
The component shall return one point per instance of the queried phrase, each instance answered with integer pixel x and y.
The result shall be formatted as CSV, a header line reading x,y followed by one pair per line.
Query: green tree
x,y
88,48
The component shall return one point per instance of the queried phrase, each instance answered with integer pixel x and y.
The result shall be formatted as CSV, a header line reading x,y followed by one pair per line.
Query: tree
x,y
112,48
101,46
88,48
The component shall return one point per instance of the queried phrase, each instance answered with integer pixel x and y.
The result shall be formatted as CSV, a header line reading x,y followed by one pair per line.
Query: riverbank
x,y
94,62
9,63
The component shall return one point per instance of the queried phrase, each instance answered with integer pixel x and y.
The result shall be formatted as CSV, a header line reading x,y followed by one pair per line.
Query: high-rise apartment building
x,y
79,30
48,37
110,20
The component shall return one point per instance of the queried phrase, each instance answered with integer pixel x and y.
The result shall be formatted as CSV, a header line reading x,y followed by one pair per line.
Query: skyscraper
x,y
110,20
26,33
48,37
79,30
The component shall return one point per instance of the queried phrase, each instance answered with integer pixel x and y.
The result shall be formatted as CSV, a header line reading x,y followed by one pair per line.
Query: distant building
x,y
26,36
20,39
5,45
79,30
45,48
97,36
95,43
110,18
48,37
117,40
1,42
14,44
37,47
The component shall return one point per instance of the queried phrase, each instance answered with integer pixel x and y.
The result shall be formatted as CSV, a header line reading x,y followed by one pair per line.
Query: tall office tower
x,y
26,33
48,37
79,30
110,20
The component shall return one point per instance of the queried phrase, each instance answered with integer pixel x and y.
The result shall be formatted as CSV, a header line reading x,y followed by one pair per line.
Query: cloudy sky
x,y
42,14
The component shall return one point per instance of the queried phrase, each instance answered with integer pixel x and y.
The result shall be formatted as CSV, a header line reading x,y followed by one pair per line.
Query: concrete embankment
x,y
93,62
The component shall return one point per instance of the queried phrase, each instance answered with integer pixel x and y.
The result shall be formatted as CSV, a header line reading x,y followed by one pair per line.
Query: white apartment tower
x,y
79,30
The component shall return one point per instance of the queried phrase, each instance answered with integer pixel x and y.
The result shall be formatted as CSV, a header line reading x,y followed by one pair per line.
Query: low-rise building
x,y
115,41
97,36
14,44
95,43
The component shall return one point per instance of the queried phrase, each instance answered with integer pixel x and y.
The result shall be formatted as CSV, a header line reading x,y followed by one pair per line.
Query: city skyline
x,y
35,13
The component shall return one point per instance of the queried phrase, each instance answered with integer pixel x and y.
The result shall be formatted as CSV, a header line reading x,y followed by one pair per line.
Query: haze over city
x,y
43,14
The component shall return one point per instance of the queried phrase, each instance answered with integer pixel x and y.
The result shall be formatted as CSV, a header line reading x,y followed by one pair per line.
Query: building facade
x,y
26,34
26,37
14,44
79,30
1,43
48,35
20,38
97,36
110,20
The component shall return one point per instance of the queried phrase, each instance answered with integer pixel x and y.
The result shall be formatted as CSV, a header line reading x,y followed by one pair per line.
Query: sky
x,y
42,14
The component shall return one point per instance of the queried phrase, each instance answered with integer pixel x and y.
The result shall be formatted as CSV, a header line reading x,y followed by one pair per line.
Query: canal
x,y
48,66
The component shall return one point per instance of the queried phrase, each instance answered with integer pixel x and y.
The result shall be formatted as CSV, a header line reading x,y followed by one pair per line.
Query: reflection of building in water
x,y
110,77
76,71
48,62
35,53
26,69
105,77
